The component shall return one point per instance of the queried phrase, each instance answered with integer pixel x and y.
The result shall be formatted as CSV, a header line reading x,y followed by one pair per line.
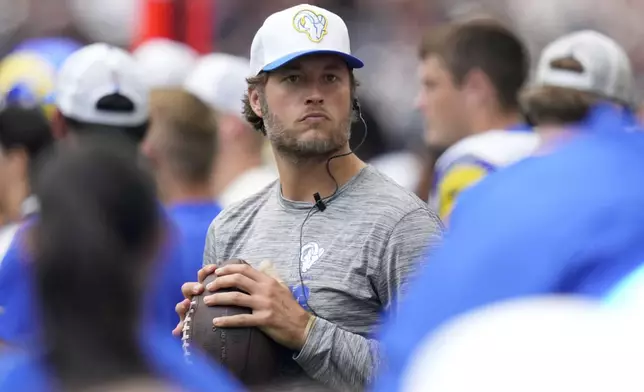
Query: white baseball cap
x,y
297,31
94,72
607,70
166,63
219,79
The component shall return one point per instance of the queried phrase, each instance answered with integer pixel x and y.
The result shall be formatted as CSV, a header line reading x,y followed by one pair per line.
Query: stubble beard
x,y
287,143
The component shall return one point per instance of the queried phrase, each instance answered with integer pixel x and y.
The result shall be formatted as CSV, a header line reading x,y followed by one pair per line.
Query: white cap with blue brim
x,y
299,31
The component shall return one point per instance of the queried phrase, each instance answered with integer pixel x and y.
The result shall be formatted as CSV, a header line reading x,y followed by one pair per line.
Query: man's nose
x,y
315,100
315,96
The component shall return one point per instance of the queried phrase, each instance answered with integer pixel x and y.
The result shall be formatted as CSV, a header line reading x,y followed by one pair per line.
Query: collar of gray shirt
x,y
305,205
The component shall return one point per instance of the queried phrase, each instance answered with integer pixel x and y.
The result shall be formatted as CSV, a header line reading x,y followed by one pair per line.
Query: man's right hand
x,y
189,289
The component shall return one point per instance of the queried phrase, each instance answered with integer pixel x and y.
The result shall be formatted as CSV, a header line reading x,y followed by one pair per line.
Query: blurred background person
x,y
565,222
99,226
575,72
471,75
99,91
181,147
28,73
165,62
241,167
27,78
25,137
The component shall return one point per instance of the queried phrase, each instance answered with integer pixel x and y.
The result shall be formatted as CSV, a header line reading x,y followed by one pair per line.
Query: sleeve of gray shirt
x,y
342,358
210,249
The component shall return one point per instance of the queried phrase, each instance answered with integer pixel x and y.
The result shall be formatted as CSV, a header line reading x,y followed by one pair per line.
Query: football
x,y
247,353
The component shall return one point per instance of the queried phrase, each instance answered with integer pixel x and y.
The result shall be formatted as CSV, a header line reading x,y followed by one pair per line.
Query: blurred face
x,y
13,172
151,150
152,143
441,103
306,107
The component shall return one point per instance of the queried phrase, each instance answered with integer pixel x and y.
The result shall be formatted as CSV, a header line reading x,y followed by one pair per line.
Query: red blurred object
x,y
157,21
199,21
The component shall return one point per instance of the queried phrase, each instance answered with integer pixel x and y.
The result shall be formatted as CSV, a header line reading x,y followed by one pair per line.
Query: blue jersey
x,y
570,221
190,222
24,371
17,313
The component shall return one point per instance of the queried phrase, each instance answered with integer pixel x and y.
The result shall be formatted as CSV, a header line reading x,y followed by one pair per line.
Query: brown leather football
x,y
247,353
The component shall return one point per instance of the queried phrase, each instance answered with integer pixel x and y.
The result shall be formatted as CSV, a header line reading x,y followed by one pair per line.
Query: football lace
x,y
186,332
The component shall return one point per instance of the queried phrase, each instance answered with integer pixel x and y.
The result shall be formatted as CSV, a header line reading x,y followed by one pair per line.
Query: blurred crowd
x,y
523,111
383,32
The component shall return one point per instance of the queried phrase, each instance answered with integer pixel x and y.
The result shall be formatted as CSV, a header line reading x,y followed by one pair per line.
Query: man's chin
x,y
313,152
314,132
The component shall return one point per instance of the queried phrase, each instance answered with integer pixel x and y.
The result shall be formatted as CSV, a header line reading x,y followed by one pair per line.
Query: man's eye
x,y
331,78
429,84
292,78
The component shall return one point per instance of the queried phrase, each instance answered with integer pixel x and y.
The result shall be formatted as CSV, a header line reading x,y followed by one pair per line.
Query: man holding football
x,y
341,236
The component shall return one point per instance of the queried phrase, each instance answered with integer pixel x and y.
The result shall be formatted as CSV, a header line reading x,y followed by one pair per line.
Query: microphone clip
x,y
319,203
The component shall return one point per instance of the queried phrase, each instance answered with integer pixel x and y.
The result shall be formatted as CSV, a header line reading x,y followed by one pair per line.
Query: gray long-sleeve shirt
x,y
355,257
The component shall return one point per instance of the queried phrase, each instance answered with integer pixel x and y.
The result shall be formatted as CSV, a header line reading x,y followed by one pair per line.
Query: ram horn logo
x,y
311,24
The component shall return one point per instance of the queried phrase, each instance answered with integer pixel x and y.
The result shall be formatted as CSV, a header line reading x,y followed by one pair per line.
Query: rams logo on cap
x,y
311,24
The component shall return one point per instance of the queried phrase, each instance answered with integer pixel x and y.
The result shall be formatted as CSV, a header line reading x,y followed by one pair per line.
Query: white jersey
x,y
247,184
472,158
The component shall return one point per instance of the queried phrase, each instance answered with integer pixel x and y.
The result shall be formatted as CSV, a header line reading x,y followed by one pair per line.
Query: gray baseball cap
x,y
606,68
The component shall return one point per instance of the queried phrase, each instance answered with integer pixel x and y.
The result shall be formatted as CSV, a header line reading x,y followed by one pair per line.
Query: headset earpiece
x,y
356,107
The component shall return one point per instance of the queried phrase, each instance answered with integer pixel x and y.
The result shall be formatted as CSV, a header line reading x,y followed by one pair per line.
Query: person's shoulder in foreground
x,y
565,222
26,371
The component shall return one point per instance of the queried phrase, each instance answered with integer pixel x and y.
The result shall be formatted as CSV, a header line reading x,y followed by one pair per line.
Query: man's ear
x,y
148,149
254,100
231,128
477,85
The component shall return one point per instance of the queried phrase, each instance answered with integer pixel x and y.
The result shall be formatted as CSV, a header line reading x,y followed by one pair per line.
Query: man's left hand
x,y
274,310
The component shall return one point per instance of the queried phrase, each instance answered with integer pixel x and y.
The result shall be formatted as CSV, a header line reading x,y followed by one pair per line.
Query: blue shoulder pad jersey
x,y
567,222
24,371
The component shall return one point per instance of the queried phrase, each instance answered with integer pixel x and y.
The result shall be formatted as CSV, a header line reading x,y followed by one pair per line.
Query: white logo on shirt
x,y
309,254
